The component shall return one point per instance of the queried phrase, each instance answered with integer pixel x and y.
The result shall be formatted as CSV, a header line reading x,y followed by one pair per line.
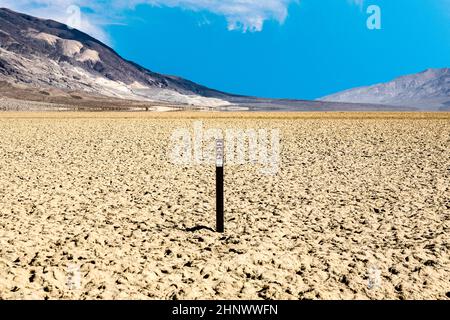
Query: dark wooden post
x,y
219,186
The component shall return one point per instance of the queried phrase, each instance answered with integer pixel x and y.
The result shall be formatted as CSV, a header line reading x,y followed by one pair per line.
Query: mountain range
x,y
427,90
50,64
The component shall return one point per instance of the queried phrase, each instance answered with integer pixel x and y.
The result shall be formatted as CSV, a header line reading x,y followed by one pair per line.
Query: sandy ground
x,y
92,208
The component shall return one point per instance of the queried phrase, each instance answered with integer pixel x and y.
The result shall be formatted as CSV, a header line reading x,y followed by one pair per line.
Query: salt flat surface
x,y
359,209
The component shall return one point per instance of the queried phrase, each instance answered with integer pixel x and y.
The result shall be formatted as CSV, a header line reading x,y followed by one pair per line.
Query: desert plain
x,y
92,207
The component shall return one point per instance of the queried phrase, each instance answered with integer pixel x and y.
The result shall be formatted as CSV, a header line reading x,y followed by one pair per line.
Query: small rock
x,y
393,270
345,280
232,250
430,263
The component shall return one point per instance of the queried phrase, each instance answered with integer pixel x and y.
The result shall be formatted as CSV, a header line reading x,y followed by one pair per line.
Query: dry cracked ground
x,y
92,207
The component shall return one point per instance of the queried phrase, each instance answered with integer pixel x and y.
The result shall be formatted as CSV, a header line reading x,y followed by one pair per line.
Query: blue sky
x,y
275,48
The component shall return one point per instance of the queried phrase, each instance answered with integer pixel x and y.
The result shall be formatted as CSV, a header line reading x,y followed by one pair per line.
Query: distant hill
x,y
427,90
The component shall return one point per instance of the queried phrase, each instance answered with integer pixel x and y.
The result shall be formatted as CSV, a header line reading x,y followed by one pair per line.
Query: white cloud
x,y
244,15
64,11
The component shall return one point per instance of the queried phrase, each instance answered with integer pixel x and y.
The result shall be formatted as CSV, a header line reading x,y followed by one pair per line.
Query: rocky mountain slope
x,y
46,53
